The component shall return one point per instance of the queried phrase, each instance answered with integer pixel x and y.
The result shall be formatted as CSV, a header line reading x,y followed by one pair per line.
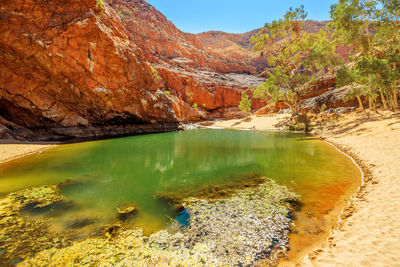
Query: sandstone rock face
x,y
188,70
321,92
79,67
162,42
69,64
332,98
236,47
91,68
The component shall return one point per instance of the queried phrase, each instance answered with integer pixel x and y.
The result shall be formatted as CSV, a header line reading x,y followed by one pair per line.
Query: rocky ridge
x,y
69,64
237,46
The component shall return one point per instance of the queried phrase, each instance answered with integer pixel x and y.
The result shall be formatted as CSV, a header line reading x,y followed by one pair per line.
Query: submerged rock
x,y
251,224
80,223
21,237
36,197
239,228
126,211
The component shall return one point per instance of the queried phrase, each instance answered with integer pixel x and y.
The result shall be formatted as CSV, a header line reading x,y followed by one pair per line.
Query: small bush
x,y
189,97
120,14
195,105
245,104
155,73
99,3
322,109
167,92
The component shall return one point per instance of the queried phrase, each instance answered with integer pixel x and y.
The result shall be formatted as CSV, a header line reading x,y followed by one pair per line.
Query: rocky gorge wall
x,y
92,68
70,64
82,68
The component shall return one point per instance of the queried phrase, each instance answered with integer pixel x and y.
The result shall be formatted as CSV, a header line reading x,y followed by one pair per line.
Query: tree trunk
x,y
383,100
360,104
394,89
370,104
395,103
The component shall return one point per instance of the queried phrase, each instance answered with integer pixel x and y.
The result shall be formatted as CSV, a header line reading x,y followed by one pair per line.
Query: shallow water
x,y
113,173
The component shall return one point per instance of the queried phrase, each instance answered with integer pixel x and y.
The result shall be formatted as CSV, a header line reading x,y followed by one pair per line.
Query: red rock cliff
x,y
191,73
82,68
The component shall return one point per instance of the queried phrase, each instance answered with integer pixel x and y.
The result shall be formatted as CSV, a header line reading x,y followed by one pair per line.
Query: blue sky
x,y
234,16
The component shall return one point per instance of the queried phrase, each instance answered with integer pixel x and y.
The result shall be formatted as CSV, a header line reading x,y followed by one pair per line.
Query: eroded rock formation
x,y
93,68
70,64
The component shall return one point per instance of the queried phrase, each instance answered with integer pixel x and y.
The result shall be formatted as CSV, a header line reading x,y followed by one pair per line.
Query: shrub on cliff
x,y
156,76
99,3
245,104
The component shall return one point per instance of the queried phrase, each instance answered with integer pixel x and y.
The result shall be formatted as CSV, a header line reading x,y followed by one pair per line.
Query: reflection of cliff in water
x,y
112,173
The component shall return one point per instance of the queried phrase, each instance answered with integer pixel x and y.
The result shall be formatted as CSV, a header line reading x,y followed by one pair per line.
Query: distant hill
x,y
238,47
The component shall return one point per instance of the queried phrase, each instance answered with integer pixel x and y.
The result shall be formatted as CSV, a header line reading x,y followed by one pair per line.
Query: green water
x,y
127,170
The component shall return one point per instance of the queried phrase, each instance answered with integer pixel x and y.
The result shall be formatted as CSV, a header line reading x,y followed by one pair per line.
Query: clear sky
x,y
234,16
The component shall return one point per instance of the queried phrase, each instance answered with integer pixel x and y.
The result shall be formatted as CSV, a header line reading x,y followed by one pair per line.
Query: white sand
x,y
369,230
265,122
371,235
12,151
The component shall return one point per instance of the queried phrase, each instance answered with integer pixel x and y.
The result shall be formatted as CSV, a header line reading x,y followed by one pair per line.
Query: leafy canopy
x,y
371,27
295,57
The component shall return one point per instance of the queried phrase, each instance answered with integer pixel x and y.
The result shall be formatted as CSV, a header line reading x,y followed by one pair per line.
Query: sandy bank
x,y
13,151
368,233
265,123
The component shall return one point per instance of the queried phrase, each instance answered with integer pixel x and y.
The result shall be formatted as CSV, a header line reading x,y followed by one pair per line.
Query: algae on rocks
x,y
20,237
252,224
244,225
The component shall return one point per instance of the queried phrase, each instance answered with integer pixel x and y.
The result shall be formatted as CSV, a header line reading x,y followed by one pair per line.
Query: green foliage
x,y
204,105
167,92
194,105
119,12
372,28
245,104
295,57
156,76
99,3
323,108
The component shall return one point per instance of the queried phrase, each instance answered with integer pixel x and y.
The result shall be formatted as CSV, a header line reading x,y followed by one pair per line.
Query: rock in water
x,y
239,229
127,211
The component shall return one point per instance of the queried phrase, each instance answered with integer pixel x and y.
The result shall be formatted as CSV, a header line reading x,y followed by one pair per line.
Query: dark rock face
x,y
331,98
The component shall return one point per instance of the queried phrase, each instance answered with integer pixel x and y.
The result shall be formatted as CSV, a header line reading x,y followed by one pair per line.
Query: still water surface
x,y
116,172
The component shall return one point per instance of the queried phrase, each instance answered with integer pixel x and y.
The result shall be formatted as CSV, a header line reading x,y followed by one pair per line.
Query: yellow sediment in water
x,y
117,172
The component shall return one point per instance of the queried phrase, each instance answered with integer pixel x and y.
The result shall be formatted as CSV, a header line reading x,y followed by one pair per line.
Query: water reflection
x,y
116,172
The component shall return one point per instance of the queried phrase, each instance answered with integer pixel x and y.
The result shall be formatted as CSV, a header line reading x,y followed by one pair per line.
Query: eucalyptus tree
x,y
389,41
371,28
295,58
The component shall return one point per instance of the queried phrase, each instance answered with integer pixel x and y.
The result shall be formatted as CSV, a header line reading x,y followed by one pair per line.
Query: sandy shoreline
x,y
10,152
368,232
